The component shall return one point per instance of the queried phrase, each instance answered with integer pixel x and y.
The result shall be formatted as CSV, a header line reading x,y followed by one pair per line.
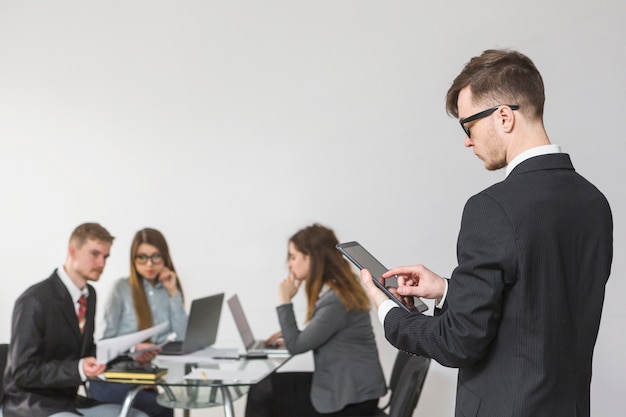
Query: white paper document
x,y
108,349
204,374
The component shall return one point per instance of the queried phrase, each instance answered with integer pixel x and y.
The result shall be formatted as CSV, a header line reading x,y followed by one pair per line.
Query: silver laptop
x,y
204,318
252,345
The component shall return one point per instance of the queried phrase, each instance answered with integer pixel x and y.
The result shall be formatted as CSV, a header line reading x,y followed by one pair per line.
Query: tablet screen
x,y
360,257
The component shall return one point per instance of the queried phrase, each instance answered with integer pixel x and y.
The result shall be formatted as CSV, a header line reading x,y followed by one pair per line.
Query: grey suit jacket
x,y
41,376
347,367
523,308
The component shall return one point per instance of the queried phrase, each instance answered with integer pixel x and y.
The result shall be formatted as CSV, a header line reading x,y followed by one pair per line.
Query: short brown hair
x,y
90,231
500,76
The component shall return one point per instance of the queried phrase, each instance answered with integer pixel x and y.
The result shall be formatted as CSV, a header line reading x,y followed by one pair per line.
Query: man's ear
x,y
506,118
71,250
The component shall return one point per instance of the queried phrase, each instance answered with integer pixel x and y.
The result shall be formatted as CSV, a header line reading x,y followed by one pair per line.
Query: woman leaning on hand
x,y
151,295
347,379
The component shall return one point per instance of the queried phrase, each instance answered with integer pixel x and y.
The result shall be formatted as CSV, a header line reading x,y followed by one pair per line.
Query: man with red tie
x,y
52,350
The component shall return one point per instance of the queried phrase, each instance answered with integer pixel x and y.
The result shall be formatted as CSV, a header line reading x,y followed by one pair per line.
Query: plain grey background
x,y
229,125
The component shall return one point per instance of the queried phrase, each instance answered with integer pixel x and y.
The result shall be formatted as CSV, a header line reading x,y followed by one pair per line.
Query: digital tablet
x,y
362,259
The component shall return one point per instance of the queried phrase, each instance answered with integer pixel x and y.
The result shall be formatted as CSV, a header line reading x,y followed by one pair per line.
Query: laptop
x,y
204,318
252,345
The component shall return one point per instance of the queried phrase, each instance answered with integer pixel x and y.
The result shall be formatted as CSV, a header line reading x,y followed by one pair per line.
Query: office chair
x,y
4,352
406,382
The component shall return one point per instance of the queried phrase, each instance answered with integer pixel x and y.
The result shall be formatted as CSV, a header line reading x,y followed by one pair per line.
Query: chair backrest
x,y
407,379
4,351
398,365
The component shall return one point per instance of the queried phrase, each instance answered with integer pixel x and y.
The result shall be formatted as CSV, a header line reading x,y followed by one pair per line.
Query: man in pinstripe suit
x,y
519,315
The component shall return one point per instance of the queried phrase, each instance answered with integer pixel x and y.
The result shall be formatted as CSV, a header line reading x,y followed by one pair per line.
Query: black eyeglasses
x,y
156,258
483,114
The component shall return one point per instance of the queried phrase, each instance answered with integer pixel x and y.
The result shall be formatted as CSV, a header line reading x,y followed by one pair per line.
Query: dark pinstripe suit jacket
x,y
523,308
41,376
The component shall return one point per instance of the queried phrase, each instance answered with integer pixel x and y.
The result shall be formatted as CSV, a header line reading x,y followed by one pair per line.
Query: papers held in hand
x,y
108,350
134,371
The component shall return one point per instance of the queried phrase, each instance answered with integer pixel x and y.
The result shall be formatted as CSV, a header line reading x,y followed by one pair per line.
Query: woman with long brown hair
x,y
152,294
348,379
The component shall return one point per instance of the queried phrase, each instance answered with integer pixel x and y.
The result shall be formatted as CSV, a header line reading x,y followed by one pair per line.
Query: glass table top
x,y
202,382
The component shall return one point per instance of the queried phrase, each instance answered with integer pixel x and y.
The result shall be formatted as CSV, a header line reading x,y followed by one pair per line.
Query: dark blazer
x,y
41,376
523,308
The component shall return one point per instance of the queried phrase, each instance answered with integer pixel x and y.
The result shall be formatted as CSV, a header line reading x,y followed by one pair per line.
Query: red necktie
x,y
82,312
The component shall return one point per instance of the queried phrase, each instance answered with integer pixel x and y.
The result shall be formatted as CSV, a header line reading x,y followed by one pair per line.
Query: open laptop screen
x,y
240,320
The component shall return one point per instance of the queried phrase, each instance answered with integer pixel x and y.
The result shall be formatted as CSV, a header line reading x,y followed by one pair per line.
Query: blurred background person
x,y
348,379
151,295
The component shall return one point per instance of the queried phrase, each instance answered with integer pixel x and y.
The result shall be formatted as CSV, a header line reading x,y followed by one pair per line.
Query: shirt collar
x,y
530,153
147,286
74,291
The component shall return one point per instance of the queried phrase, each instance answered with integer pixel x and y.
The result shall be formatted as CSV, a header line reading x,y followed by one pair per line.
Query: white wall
x,y
229,125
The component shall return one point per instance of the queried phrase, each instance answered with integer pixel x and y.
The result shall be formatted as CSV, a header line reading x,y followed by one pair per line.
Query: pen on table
x,y
203,375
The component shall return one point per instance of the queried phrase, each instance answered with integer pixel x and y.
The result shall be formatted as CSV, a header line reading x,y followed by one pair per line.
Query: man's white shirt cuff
x,y
443,298
384,308
83,377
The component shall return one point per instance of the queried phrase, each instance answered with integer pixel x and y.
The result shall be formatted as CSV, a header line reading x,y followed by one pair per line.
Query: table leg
x,y
128,401
169,393
224,391
228,402
172,398
213,394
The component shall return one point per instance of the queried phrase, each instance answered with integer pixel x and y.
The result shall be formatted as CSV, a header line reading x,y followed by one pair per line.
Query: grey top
x,y
120,317
347,367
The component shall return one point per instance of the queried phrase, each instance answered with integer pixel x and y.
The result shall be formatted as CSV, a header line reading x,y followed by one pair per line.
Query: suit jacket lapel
x,y
68,311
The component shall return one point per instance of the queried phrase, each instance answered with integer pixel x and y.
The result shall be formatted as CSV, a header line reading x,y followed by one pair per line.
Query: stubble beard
x,y
495,157
93,275
495,164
